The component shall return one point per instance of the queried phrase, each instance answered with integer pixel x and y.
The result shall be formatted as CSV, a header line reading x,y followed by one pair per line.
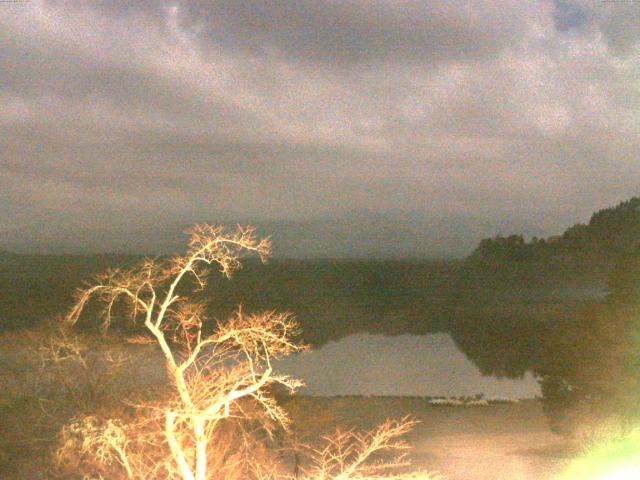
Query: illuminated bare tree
x,y
211,374
214,378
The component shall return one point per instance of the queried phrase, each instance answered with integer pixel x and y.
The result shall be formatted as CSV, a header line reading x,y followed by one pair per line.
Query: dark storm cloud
x,y
357,32
496,113
570,15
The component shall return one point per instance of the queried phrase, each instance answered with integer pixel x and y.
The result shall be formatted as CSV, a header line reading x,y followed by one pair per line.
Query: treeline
x,y
609,234
511,294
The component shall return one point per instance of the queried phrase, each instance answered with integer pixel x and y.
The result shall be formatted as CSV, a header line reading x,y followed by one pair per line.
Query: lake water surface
x,y
425,365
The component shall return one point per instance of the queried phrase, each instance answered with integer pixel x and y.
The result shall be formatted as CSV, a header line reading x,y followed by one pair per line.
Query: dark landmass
x,y
511,294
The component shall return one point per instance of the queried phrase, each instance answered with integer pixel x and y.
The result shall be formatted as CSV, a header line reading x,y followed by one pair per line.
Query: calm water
x,y
429,365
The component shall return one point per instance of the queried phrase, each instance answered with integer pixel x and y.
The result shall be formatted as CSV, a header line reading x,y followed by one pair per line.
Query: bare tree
x,y
210,374
349,455
214,378
353,455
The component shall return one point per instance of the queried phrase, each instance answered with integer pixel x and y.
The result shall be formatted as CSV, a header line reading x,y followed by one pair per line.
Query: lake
x,y
422,365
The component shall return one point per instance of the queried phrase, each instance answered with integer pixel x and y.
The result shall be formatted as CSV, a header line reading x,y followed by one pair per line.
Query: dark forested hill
x,y
609,234
510,293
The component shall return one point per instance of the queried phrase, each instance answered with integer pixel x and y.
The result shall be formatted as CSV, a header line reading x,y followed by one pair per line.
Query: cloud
x,y
358,32
174,111
568,15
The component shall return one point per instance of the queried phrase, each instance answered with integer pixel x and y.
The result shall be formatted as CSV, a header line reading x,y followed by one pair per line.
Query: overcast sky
x,y
334,122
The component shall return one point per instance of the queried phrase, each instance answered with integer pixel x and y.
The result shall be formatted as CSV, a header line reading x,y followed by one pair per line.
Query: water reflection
x,y
426,365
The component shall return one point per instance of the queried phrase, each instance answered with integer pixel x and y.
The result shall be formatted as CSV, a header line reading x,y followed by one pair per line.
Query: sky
x,y
341,128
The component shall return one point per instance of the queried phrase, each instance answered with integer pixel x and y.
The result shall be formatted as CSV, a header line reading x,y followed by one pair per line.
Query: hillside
x,y
509,292
609,234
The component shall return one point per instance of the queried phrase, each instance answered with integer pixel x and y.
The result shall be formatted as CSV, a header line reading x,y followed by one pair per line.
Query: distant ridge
x,y
358,234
